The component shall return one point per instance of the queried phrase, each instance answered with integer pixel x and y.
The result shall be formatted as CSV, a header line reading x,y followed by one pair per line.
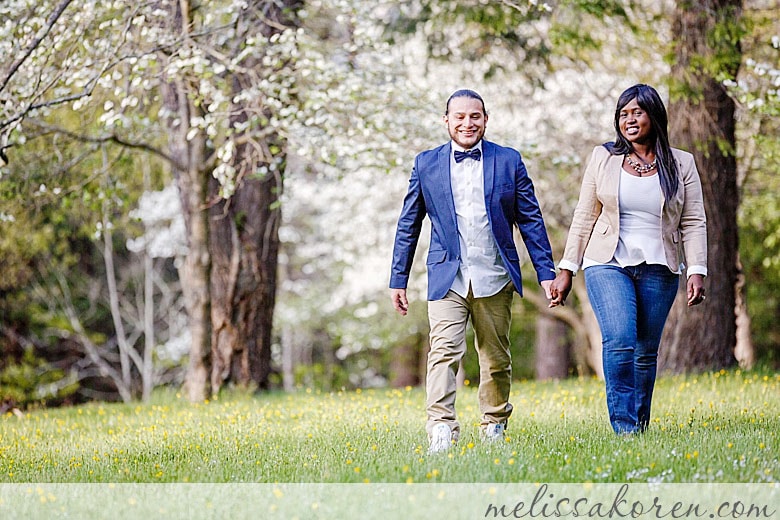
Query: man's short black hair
x,y
464,92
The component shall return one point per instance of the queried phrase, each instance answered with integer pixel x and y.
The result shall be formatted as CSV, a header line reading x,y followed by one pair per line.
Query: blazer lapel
x,y
614,171
488,170
446,181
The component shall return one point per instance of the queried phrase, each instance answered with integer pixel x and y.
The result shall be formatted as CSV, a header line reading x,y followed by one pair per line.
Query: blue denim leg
x,y
656,288
631,305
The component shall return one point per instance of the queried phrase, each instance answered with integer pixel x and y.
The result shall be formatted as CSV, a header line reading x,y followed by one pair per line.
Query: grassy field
x,y
710,428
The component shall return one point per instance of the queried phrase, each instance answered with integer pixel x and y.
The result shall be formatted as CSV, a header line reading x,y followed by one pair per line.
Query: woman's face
x,y
635,124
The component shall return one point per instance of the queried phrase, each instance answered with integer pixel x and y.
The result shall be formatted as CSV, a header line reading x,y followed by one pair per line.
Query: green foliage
x,y
718,58
756,93
723,41
577,28
32,380
517,37
522,39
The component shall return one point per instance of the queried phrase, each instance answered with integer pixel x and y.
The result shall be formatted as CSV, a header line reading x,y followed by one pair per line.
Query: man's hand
x,y
400,303
546,286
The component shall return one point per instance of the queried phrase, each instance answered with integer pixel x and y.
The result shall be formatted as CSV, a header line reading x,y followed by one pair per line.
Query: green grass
x,y
719,427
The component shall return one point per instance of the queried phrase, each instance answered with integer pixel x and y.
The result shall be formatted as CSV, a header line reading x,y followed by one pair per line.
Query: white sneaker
x,y
494,432
441,438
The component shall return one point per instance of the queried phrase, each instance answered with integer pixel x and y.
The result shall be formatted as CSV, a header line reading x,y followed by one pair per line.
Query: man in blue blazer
x,y
474,192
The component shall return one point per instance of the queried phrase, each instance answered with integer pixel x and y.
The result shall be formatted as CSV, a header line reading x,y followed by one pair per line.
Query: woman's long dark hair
x,y
648,100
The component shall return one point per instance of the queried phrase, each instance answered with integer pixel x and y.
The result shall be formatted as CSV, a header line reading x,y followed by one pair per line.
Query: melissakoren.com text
x,y
546,503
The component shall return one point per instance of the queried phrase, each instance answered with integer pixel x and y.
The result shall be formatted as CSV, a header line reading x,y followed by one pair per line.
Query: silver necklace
x,y
641,168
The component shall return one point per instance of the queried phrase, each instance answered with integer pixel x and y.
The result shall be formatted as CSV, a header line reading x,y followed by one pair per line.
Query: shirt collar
x,y
456,147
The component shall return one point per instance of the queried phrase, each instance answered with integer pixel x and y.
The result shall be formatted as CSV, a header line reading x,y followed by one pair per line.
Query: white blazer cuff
x,y
569,266
696,269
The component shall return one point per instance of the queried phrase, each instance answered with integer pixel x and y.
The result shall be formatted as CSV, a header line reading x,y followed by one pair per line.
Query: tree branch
x,y
92,350
110,138
36,42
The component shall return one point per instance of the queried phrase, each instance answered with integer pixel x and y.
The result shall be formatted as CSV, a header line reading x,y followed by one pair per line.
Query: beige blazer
x,y
596,223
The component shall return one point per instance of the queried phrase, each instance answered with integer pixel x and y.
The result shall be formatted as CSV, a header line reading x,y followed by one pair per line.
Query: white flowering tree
x,y
206,88
211,92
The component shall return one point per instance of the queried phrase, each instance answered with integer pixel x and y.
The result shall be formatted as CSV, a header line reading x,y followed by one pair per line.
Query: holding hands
x,y
560,287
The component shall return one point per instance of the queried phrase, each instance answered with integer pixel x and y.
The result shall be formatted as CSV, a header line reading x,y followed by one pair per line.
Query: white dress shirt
x,y
481,266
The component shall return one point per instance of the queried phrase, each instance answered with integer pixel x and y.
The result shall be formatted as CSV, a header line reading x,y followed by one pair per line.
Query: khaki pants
x,y
490,318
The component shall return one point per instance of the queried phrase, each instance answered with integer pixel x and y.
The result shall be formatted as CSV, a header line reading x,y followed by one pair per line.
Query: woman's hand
x,y
560,287
695,290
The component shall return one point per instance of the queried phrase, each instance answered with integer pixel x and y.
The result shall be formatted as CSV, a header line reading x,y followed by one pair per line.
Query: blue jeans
x,y
631,305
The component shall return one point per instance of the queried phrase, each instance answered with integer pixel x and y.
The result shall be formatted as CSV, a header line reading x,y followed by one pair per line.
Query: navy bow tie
x,y
473,154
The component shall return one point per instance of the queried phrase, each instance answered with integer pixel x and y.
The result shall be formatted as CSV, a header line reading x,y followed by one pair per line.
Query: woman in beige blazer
x,y
639,223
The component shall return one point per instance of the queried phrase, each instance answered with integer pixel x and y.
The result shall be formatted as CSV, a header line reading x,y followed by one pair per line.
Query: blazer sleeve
x,y
407,232
693,220
531,225
586,212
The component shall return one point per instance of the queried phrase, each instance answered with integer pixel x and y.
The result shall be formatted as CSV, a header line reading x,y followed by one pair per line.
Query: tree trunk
x,y
188,157
405,363
245,229
702,121
552,348
195,271
744,351
244,246
586,349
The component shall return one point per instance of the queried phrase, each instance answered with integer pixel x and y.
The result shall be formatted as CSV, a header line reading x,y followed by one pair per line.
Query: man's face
x,y
465,121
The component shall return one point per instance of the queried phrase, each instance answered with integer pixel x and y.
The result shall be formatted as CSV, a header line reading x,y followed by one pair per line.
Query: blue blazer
x,y
509,199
